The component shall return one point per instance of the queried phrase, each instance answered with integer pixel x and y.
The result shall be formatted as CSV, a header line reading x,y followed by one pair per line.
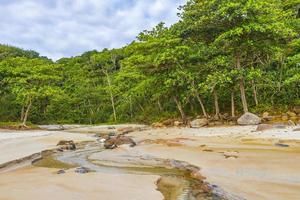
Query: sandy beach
x,y
248,164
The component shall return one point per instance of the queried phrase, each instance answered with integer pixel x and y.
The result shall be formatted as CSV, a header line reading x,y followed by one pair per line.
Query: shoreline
x,y
229,157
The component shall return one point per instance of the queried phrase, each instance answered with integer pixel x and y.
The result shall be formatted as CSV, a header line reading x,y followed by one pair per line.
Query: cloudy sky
x,y
63,28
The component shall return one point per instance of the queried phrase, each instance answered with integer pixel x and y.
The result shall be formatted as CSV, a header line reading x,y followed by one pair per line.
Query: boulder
x,y
249,119
178,123
114,142
66,145
198,123
264,127
291,114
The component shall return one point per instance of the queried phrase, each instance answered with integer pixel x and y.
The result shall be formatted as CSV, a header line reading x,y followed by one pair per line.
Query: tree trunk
x,y
159,106
255,93
141,107
179,106
111,96
242,86
22,113
202,105
232,105
216,100
27,113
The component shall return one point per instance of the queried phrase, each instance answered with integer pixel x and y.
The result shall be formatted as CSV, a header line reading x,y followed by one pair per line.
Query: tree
x,y
29,80
251,31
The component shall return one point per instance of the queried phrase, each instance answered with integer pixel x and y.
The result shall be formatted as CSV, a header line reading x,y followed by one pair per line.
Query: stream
x,y
174,184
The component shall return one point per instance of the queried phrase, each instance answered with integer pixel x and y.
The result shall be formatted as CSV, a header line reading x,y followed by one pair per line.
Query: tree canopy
x,y
222,58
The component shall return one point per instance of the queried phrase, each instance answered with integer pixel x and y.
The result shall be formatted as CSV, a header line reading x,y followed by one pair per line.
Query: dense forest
x,y
222,58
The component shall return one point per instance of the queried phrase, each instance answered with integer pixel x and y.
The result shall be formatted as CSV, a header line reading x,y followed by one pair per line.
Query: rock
x,y
101,140
82,170
266,116
281,145
111,134
294,119
291,114
198,123
230,155
232,123
285,118
168,122
127,130
218,123
225,116
114,142
61,171
279,126
66,145
264,127
178,123
249,119
297,129
291,123
157,125
297,110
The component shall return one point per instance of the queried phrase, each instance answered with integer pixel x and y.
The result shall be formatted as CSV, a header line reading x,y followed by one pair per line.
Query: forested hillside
x,y
222,58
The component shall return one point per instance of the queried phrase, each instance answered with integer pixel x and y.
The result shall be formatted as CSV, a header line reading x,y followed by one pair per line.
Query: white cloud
x,y
58,28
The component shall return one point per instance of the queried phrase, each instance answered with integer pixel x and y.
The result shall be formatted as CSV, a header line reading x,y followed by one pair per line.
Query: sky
x,y
65,28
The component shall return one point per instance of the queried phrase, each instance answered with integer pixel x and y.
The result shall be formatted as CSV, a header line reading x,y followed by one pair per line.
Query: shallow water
x,y
174,184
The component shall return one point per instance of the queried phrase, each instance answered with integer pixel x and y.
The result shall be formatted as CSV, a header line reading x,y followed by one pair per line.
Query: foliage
x,y
217,53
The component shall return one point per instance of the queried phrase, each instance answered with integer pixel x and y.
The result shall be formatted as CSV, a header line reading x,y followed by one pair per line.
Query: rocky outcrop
x,y
114,142
66,145
249,119
198,123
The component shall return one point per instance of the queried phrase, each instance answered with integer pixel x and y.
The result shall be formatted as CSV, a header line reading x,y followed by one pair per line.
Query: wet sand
x,y
18,144
42,183
245,163
249,164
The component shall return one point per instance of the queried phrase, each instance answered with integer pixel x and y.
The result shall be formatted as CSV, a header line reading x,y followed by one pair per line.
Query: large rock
x,y
66,145
249,119
114,142
198,123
